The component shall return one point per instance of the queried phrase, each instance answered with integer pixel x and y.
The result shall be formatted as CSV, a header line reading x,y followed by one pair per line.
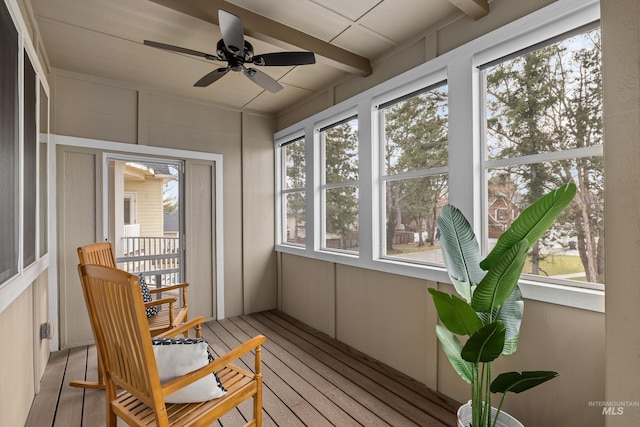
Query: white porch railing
x,y
157,259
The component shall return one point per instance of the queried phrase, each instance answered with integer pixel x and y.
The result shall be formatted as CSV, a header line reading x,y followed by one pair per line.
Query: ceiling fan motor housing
x,y
235,61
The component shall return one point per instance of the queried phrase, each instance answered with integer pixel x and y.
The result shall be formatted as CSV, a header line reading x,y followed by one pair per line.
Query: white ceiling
x,y
105,39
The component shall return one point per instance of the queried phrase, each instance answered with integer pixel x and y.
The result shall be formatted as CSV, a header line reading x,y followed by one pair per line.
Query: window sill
x,y
564,295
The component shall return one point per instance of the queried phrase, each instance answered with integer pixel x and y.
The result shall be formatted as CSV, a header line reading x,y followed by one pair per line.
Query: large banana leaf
x,y
460,250
501,279
455,313
485,345
510,313
453,348
532,223
516,382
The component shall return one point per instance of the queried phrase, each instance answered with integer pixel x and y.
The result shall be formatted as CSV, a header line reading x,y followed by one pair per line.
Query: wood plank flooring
x,y
310,379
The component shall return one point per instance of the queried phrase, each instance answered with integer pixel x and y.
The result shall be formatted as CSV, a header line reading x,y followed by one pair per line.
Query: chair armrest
x,y
170,301
218,363
169,288
193,323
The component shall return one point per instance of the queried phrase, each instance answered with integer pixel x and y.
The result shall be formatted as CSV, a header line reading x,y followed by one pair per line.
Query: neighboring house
x,y
139,207
171,224
501,213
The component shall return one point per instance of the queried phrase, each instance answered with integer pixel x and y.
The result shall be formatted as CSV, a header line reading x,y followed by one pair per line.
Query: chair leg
x,y
110,395
100,385
257,402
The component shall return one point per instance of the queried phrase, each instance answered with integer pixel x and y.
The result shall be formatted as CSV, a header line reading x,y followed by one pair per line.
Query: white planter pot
x,y
504,419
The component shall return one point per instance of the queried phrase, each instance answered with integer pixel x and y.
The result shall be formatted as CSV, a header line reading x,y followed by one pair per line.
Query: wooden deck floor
x,y
309,380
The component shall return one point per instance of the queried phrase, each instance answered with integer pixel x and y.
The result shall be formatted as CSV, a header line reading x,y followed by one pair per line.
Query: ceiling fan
x,y
237,52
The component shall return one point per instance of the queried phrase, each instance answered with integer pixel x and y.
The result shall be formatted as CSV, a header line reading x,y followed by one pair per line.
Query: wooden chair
x,y
124,343
101,253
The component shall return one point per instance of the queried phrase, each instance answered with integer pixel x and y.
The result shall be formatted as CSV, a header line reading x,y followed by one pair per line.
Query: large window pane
x,y
341,152
341,218
44,171
294,164
415,188
293,197
30,162
340,189
8,146
416,132
413,207
546,101
295,208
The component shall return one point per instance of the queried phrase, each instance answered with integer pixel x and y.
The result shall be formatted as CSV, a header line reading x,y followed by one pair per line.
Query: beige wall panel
x,y
200,244
77,227
16,353
175,123
189,114
385,316
308,292
502,12
149,206
621,56
93,110
258,234
557,338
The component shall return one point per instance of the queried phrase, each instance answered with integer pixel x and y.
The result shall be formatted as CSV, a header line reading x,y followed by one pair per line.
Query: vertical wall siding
x,y
392,318
621,57
16,353
169,122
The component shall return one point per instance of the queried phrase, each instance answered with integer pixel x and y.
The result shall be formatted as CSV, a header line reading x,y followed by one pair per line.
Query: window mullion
x,y
464,155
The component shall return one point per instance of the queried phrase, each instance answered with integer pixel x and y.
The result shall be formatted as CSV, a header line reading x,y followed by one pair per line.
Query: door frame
x,y
110,147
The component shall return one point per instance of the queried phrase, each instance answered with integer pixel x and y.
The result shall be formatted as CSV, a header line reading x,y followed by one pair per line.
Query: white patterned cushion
x,y
178,356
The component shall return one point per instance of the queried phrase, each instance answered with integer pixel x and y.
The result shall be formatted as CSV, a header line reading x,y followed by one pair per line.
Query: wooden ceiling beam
x,y
272,32
474,8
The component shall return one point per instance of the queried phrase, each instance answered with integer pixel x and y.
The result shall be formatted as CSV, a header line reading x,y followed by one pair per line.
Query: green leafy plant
x,y
489,307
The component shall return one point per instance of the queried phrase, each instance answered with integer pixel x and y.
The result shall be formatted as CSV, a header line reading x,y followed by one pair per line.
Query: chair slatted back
x,y
100,253
121,330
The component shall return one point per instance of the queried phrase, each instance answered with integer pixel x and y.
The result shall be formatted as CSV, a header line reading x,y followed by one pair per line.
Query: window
x,y
339,145
129,208
487,127
293,185
30,164
544,128
415,130
43,170
8,146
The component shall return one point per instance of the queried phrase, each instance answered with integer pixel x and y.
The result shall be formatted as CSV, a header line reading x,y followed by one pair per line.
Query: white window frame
x,y
384,177
320,142
14,286
459,68
281,187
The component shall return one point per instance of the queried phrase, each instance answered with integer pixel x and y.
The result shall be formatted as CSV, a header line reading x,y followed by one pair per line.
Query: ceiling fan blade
x,y
285,58
263,80
232,33
180,50
211,77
